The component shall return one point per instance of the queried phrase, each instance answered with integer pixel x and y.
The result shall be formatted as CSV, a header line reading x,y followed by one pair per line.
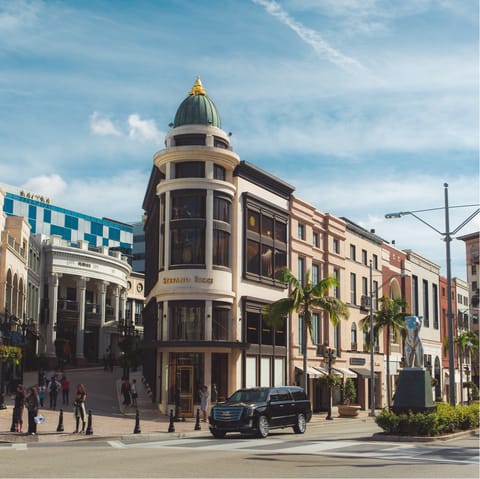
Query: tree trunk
x,y
389,392
304,352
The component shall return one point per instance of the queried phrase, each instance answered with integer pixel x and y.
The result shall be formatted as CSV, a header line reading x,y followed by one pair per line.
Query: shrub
x,y
446,419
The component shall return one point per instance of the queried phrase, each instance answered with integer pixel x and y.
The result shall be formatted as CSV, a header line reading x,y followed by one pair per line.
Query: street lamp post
x,y
127,330
26,327
372,347
447,235
330,357
467,373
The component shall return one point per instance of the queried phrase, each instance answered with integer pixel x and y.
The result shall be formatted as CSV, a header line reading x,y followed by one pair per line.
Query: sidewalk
x,y
110,418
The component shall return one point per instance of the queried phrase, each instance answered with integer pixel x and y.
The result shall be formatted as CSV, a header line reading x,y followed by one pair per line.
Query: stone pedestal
x,y
414,391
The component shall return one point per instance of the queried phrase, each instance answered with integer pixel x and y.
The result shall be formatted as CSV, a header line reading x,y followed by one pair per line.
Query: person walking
x,y
204,398
53,388
42,392
19,406
65,384
134,392
126,390
33,404
80,411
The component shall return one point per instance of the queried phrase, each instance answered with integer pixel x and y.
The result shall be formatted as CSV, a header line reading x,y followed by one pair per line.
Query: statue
x,y
413,344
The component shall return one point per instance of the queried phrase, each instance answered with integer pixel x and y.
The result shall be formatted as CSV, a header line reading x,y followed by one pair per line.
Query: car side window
x,y
298,394
284,395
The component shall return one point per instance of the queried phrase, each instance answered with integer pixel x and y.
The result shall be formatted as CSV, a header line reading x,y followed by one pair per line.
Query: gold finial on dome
x,y
197,88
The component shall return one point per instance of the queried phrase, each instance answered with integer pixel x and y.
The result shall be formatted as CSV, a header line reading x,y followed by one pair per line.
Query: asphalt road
x,y
279,455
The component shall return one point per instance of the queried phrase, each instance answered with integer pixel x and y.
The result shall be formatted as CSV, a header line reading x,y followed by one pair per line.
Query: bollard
x,y
197,422
171,426
89,430
60,421
137,429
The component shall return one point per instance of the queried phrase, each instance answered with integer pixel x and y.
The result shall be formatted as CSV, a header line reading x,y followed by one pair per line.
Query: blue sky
x,y
365,106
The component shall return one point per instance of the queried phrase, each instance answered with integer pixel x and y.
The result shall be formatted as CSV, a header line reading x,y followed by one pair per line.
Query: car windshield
x,y
248,396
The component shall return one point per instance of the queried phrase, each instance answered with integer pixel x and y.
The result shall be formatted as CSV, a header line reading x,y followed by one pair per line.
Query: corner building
x,y
216,233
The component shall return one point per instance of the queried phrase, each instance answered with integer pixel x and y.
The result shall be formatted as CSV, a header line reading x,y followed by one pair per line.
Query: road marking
x,y
316,447
20,447
117,444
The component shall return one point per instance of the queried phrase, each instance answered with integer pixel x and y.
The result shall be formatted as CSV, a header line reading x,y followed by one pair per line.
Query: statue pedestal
x,y
414,391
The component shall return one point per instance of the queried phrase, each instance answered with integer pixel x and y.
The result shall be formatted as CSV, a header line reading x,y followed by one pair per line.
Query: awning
x,y
312,372
366,373
345,372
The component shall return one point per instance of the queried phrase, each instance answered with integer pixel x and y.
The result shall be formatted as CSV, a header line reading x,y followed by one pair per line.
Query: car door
x,y
280,407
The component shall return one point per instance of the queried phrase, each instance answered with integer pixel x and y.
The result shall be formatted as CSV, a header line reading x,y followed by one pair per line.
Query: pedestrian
x,y
53,388
79,404
42,392
33,403
65,384
126,390
134,392
19,406
204,397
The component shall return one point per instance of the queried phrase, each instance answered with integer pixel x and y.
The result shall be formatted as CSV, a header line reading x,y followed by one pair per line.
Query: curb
x,y
381,436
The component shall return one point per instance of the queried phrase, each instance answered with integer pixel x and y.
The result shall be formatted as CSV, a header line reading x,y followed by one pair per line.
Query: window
x,y
221,230
47,216
353,337
301,270
336,288
375,295
426,317
316,328
190,139
72,223
266,241
219,172
187,228
364,286
336,246
353,288
315,274
353,252
186,320
375,261
220,320
96,229
301,231
315,240
364,257
414,295
190,169
474,269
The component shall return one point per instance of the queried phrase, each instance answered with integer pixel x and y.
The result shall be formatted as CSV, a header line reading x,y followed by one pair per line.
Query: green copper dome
x,y
197,109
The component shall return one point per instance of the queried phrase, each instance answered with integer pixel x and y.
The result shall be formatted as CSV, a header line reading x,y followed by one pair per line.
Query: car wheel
x,y
218,434
301,425
263,426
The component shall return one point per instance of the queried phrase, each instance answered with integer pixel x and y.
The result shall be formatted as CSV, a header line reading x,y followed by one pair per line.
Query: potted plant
x,y
350,394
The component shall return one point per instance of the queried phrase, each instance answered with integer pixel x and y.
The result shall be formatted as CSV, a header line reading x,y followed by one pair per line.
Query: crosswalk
x,y
344,448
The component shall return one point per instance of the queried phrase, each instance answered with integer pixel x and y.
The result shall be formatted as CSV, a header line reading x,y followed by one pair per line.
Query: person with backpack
x,y
53,388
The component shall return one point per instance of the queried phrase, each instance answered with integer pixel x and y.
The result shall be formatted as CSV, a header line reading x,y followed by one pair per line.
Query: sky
x,y
366,107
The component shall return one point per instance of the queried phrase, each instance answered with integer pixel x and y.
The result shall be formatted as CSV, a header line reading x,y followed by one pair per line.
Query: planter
x,y
346,410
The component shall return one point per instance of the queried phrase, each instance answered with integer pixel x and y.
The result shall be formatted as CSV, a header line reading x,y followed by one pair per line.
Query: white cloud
x,y
312,38
48,185
102,126
17,14
144,130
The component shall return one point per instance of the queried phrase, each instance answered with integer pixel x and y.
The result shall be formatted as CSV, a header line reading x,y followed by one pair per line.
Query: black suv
x,y
257,410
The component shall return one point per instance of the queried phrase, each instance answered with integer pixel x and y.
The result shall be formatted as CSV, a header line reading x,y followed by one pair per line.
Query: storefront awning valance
x,y
346,373
366,373
312,372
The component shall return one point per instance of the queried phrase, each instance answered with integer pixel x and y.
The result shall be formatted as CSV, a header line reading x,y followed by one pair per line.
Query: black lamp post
x,y
127,330
467,373
26,326
330,356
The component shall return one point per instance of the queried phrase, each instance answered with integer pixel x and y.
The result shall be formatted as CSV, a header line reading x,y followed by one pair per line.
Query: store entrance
x,y
185,385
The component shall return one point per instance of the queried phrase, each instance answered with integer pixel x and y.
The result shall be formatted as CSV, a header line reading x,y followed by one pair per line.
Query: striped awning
x,y
346,373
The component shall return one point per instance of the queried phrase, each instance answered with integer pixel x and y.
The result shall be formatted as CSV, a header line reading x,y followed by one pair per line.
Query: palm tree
x,y
467,343
390,318
304,298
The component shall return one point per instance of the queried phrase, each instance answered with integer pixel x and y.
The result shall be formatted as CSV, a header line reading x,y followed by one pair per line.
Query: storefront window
x,y
186,320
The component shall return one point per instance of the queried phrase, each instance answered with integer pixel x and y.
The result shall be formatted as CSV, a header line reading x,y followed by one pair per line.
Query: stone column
x,y
51,329
81,295
116,303
102,298
208,322
123,305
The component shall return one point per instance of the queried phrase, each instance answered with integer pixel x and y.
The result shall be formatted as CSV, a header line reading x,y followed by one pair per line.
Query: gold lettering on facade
x,y
180,280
